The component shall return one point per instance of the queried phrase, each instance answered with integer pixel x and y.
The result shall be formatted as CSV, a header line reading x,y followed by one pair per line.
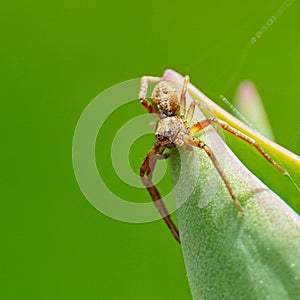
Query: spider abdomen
x,y
165,99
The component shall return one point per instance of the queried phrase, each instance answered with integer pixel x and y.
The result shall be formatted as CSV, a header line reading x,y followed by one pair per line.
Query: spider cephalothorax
x,y
172,131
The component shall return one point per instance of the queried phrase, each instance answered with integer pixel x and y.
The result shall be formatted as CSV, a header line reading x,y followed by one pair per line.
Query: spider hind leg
x,y
199,144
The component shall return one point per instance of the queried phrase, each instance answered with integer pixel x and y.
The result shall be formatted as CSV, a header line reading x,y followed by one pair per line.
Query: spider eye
x,y
159,137
165,90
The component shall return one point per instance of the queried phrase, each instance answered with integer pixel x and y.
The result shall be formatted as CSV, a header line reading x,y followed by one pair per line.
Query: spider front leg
x,y
197,143
191,110
201,125
183,95
146,171
145,80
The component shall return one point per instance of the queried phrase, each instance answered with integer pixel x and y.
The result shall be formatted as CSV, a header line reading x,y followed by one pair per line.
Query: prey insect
x,y
174,128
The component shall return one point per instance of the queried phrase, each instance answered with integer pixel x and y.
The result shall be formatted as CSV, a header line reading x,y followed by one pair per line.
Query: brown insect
x,y
174,128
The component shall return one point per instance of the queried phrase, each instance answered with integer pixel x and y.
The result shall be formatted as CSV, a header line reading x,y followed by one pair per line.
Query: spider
x,y
174,128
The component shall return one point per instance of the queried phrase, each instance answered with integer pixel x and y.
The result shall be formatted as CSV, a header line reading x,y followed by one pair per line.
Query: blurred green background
x,y
55,58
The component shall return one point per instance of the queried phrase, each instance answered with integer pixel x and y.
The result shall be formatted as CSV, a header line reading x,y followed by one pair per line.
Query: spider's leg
x,y
200,125
146,174
163,156
197,143
190,112
183,95
145,80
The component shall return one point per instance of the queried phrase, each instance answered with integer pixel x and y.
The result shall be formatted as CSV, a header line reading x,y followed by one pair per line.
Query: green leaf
x,y
228,255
